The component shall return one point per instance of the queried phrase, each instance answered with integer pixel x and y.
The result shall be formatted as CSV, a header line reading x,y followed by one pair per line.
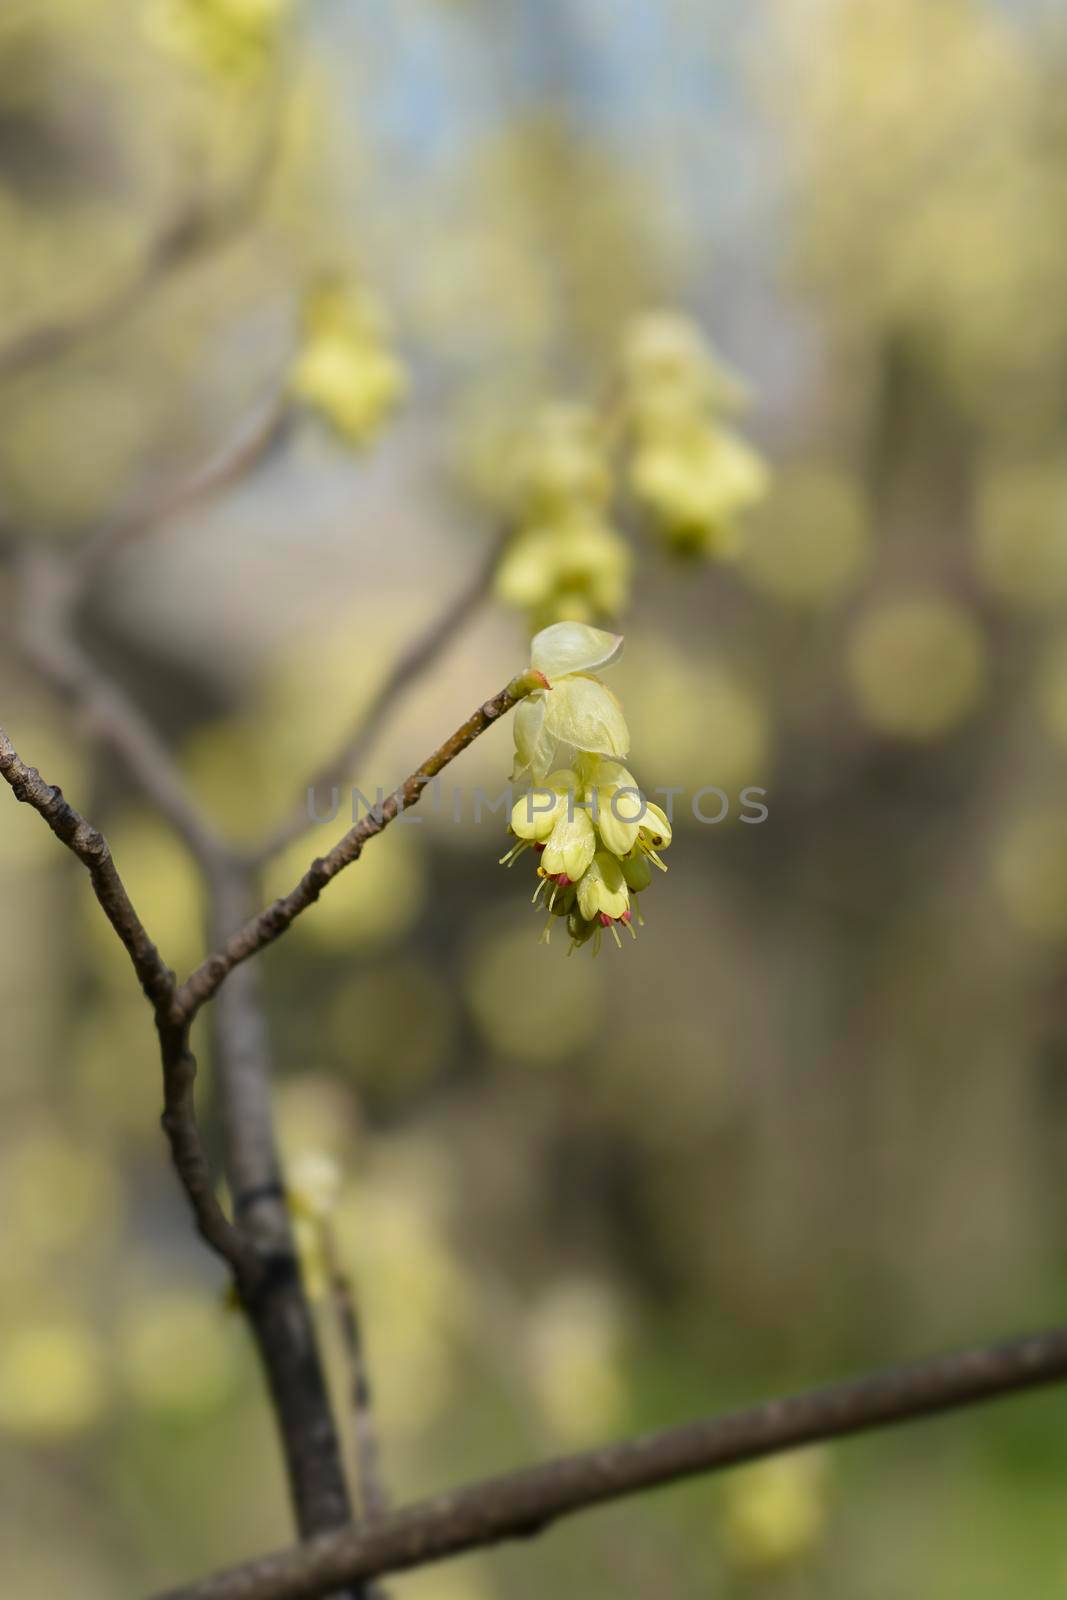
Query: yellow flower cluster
x,y
689,471
231,38
595,835
345,369
566,561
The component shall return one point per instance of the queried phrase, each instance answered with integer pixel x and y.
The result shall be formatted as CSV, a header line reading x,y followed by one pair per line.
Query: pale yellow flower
x,y
689,472
585,815
345,370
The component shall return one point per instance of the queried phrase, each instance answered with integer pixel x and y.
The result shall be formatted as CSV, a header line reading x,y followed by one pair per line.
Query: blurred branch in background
x,y
419,657
196,227
263,432
373,1496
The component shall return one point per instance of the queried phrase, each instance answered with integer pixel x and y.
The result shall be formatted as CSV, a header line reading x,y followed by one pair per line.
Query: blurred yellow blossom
x,y
1022,535
1030,868
176,1351
52,1379
232,38
811,542
313,1185
566,561
414,1293
697,716
316,1114
58,1190
917,665
345,369
774,1513
511,1016
691,473
574,1339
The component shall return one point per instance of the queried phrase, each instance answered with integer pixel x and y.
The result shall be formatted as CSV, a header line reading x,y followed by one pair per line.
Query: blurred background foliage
x,y
817,1118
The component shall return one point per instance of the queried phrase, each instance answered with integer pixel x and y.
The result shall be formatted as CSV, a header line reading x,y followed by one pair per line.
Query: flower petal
x,y
583,713
603,888
568,647
535,746
655,827
571,846
619,815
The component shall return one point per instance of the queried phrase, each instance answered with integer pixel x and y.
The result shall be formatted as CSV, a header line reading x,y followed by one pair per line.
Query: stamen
x,y
615,935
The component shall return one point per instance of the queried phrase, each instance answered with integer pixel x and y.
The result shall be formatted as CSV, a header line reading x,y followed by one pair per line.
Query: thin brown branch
x,y
374,1501
157,981
415,661
525,1503
272,922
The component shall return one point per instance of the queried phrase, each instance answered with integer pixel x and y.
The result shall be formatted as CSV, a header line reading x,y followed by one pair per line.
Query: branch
x,y
527,1502
46,597
411,665
374,1501
191,230
256,438
157,981
271,923
277,1307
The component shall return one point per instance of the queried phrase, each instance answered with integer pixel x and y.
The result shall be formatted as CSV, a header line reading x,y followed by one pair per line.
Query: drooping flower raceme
x,y
566,561
593,833
690,471
345,369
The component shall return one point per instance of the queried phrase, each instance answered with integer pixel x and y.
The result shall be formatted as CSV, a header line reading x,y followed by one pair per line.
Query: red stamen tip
x,y
539,846
605,920
563,880
626,916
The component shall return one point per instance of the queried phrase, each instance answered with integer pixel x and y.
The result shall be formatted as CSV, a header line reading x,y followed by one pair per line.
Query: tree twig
x,y
46,596
407,670
373,1499
526,1502
157,981
262,432
191,229
271,923
276,1303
